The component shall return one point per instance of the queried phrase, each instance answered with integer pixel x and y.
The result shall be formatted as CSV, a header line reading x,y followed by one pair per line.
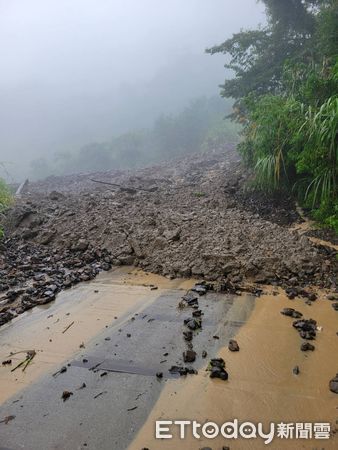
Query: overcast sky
x,y
54,50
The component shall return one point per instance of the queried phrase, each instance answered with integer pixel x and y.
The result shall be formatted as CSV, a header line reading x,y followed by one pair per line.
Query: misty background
x,y
88,85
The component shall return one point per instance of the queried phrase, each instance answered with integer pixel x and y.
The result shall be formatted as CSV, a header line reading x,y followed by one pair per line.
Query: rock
x,y
332,297
204,354
200,289
188,335
81,245
127,260
306,346
193,324
191,299
295,370
217,362
291,293
217,372
333,385
12,294
159,374
6,317
182,370
47,236
233,346
56,196
335,306
65,395
217,369
7,362
29,234
172,235
306,328
189,356
291,313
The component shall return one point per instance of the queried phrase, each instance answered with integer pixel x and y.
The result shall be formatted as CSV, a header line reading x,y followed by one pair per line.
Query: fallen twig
x,y
7,419
67,328
132,409
127,189
29,357
100,393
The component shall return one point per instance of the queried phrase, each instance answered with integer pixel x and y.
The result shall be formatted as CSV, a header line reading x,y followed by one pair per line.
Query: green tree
x,y
285,87
257,57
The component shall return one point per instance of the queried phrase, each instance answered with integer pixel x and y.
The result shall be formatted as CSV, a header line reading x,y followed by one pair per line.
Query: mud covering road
x,y
113,379
191,217
126,333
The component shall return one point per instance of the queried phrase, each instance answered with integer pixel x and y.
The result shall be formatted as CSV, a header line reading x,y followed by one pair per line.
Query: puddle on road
x,y
120,292
261,386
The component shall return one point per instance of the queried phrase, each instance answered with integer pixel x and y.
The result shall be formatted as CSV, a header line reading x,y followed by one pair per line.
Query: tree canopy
x,y
285,88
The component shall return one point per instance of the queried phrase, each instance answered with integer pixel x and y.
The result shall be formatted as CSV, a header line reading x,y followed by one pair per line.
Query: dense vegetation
x,y
200,126
286,91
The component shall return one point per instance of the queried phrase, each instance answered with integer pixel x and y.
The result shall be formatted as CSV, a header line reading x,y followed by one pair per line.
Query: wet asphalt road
x,y
119,370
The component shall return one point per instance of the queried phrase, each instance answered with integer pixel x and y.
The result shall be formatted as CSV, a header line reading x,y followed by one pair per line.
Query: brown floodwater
x,y
121,292
262,386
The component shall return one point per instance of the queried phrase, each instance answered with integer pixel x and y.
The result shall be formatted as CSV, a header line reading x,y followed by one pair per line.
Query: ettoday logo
x,y
246,430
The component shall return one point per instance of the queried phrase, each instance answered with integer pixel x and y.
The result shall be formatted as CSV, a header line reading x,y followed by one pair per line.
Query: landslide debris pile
x,y
189,217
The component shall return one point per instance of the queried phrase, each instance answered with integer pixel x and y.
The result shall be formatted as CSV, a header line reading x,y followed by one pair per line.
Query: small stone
x,y
217,372
218,369
65,395
233,346
193,324
159,375
189,356
296,370
188,335
7,362
333,385
204,354
306,346
290,312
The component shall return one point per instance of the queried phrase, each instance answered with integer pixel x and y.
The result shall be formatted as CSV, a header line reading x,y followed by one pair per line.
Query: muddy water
x,y
44,329
261,386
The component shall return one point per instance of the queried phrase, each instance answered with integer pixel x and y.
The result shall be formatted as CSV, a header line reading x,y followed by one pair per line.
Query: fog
x,y
82,71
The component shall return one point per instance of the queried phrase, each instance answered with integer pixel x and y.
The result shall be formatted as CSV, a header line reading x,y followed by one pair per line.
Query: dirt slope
x,y
189,217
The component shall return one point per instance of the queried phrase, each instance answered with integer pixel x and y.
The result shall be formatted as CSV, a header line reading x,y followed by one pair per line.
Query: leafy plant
x,y
5,196
285,90
5,201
